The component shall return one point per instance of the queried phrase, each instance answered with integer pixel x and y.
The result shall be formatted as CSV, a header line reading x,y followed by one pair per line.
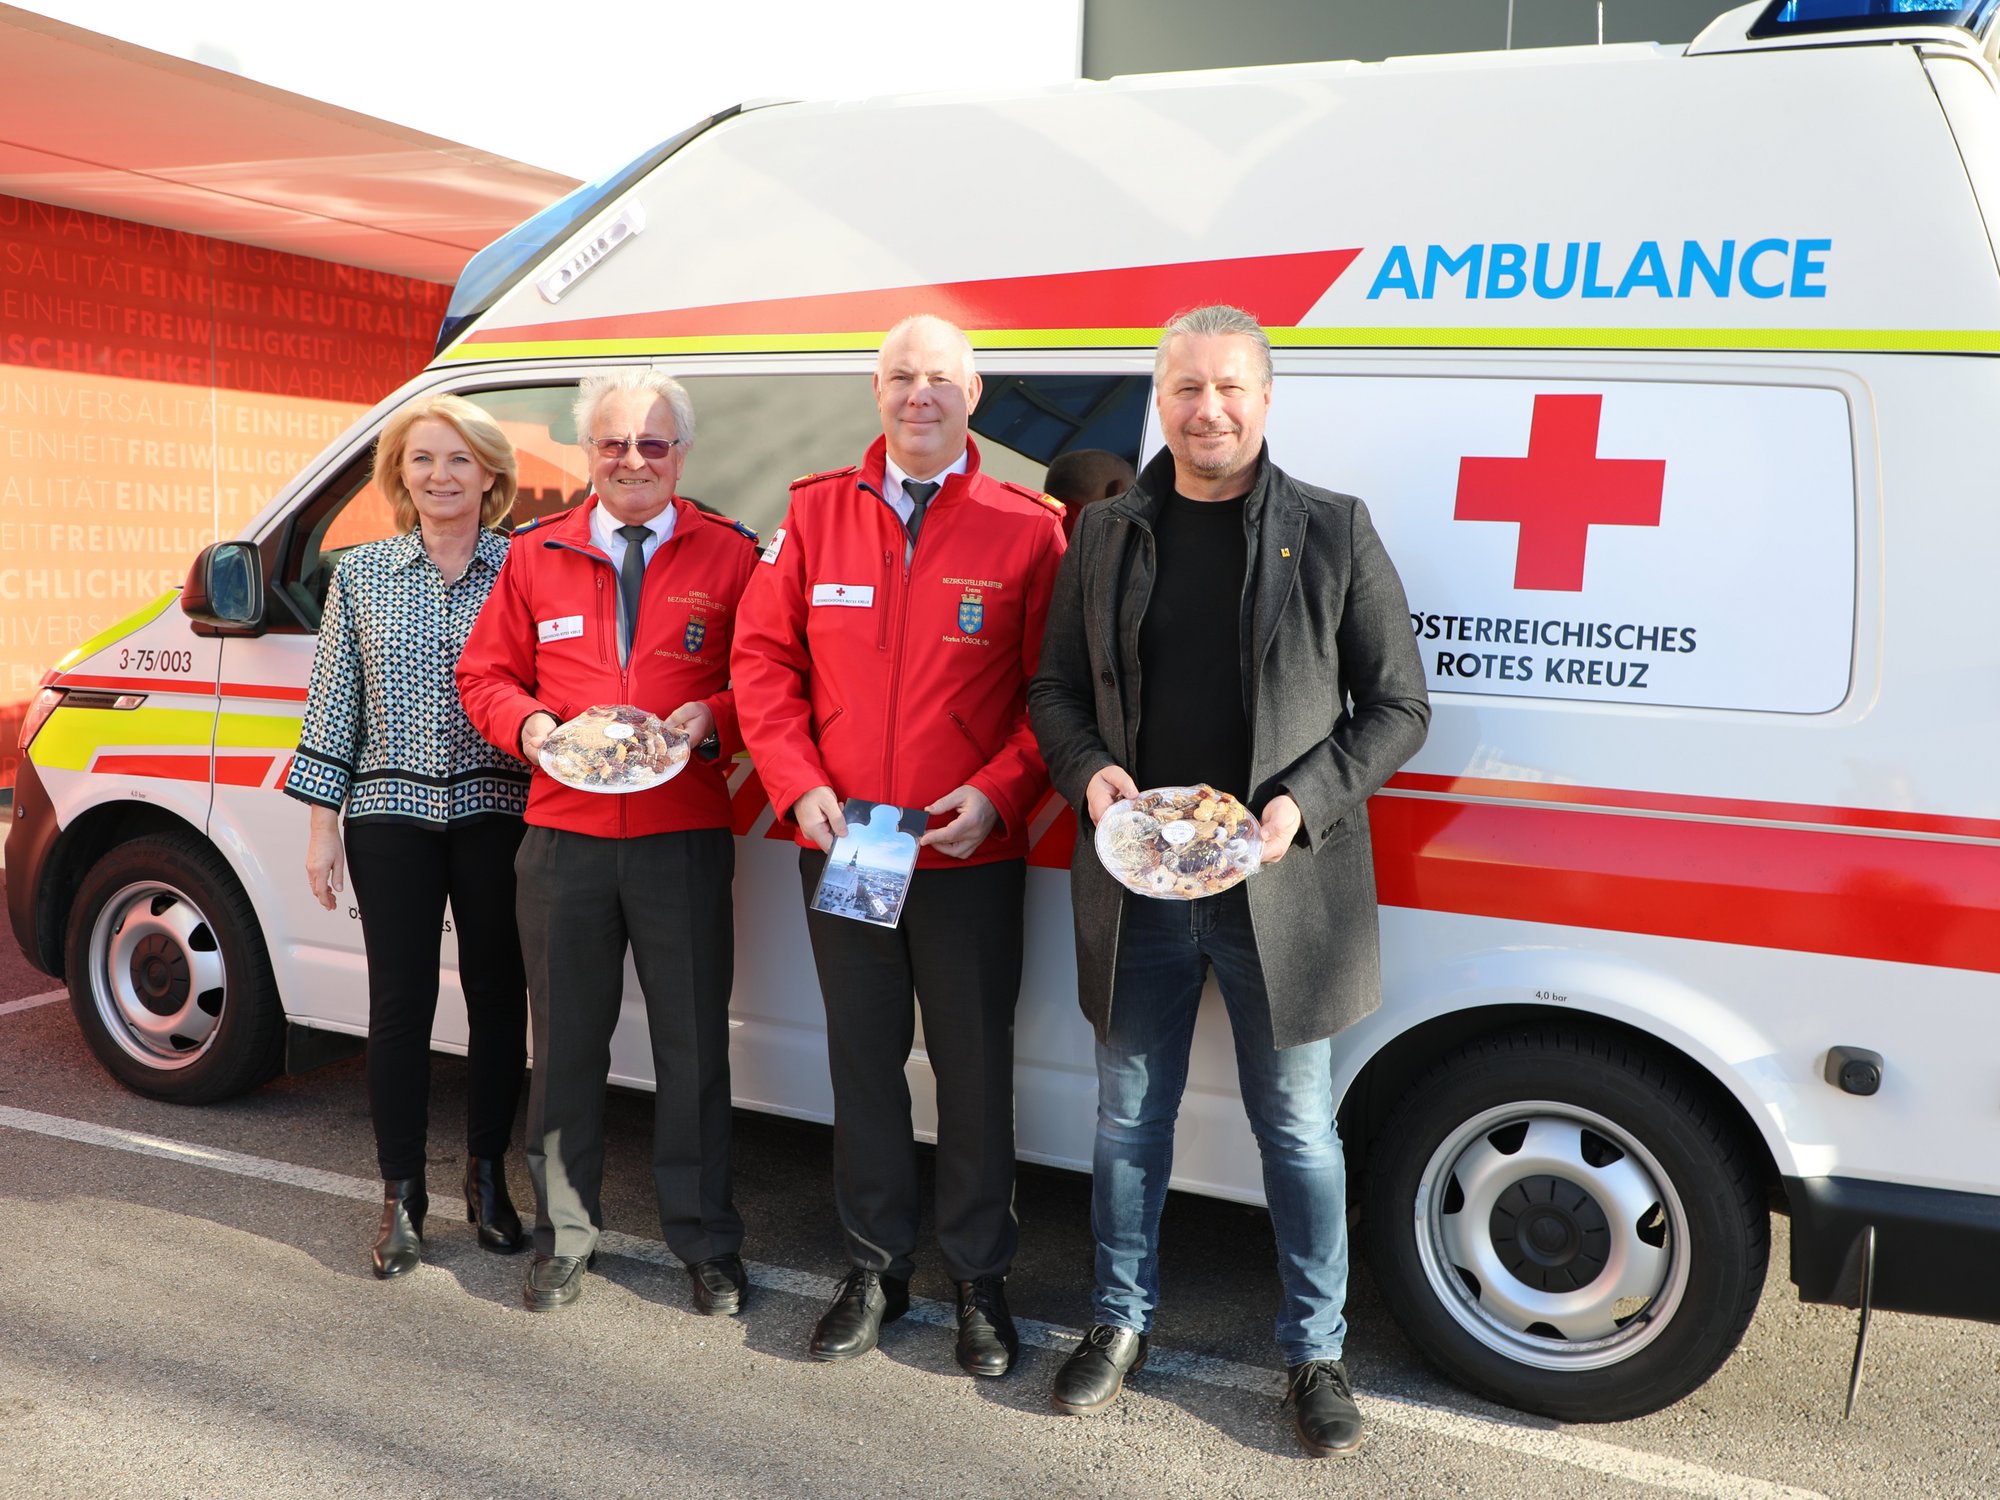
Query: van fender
x,y
1431,1007
53,845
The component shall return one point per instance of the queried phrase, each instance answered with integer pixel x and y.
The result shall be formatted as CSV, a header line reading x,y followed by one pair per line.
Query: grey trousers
x,y
582,902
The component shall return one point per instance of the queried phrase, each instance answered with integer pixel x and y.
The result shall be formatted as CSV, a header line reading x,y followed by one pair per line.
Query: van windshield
x,y
1801,17
493,272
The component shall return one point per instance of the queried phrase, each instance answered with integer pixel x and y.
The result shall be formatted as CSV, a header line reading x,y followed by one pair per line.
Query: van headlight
x,y
39,708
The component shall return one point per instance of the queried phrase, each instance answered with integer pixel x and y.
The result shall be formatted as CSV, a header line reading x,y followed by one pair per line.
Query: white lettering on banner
x,y
852,595
1633,541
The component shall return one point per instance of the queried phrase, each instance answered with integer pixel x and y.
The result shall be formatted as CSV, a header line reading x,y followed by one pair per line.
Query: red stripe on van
x,y
1707,807
746,804
1279,290
269,691
243,770
1807,890
137,684
262,690
1053,849
190,767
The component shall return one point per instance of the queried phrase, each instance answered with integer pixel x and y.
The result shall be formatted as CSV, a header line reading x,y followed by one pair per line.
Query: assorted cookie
x,y
1179,843
614,748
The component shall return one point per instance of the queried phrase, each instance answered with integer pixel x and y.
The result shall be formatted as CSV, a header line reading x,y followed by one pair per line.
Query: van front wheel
x,y
168,973
1567,1224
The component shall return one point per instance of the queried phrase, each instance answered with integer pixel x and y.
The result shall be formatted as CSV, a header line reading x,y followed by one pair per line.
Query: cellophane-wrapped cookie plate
x,y
1179,843
614,748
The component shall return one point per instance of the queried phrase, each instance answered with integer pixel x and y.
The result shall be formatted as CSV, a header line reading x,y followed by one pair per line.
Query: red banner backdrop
x,y
156,389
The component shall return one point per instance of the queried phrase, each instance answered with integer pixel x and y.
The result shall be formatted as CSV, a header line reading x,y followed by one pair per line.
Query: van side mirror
x,y
225,590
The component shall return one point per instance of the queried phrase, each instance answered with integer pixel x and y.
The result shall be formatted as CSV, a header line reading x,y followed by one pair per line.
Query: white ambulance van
x,y
1669,375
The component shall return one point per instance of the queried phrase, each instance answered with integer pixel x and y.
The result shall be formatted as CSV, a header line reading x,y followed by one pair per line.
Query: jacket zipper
x,y
604,654
882,615
602,658
895,665
884,640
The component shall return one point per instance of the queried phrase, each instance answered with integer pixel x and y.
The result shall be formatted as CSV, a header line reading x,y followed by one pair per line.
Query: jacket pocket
x,y
966,730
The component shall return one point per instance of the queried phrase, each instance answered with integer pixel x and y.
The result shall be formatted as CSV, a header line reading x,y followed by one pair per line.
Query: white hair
x,y
590,394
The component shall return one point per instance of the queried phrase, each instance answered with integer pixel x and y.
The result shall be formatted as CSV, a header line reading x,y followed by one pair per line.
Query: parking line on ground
x,y
8,1008
1529,1437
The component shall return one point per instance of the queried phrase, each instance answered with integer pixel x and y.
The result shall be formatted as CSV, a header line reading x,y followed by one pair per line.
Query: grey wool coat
x,y
1334,690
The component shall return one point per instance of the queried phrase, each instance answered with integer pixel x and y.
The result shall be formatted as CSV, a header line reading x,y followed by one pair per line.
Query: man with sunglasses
x,y
628,599
884,652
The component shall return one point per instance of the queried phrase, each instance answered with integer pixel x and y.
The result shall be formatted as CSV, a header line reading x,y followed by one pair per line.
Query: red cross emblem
x,y
1559,491
840,590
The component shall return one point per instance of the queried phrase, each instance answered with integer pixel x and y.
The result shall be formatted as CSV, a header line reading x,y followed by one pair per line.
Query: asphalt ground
x,y
186,1310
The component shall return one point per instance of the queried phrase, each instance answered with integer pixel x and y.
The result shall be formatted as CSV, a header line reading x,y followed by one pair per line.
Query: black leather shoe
x,y
987,1343
554,1280
1091,1378
488,1206
1324,1412
852,1324
719,1285
397,1242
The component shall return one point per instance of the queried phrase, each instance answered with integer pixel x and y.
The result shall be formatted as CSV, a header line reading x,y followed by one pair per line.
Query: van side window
x,y
1041,416
755,434
349,510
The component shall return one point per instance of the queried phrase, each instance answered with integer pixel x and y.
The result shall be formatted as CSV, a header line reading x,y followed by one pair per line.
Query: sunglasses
x,y
650,449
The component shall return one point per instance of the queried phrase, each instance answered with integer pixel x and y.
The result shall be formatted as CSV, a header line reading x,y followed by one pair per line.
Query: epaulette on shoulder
x,y
736,526
804,479
527,526
1035,495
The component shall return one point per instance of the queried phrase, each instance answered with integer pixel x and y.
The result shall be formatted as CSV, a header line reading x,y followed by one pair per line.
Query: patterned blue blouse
x,y
384,732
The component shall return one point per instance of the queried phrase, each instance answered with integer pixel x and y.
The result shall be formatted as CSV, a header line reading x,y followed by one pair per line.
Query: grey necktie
x,y
631,579
919,492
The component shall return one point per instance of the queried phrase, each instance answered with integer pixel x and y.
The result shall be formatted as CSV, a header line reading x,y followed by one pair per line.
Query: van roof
x,y
1798,197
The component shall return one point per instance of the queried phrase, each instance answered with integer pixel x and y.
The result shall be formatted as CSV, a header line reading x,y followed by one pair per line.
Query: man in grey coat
x,y
1224,623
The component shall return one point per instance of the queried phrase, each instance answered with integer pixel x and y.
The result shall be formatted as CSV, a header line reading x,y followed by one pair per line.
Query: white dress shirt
x,y
604,531
893,480
894,477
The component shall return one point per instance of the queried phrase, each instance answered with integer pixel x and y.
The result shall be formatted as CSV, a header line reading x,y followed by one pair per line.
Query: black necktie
x,y
631,579
919,492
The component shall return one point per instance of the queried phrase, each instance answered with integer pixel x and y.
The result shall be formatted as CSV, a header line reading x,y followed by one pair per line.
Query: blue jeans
x,y
1164,953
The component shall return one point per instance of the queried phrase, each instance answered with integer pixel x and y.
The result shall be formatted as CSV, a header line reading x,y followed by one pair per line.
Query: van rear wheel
x,y
1567,1224
168,974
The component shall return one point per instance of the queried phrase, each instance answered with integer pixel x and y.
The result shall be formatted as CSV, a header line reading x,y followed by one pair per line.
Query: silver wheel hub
x,y
1552,1236
156,974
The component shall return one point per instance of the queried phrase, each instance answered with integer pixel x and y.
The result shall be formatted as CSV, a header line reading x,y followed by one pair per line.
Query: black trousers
x,y
403,873
583,902
958,948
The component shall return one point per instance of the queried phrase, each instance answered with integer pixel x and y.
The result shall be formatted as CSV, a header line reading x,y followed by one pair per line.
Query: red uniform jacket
x,y
547,641
900,681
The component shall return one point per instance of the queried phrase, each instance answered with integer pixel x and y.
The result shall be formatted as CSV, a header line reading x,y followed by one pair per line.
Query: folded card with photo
x,y
868,870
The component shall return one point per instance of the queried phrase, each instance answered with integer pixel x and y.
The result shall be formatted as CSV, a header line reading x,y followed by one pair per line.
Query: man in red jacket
x,y
883,651
630,598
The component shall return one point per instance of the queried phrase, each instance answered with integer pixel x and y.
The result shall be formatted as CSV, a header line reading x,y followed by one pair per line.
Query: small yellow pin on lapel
x,y
1284,552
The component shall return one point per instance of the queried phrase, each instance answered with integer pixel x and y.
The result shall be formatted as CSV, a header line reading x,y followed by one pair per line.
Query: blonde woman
x,y
432,811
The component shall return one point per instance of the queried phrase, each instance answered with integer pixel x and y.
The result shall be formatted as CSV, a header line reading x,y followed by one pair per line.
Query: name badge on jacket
x,y
855,595
568,627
